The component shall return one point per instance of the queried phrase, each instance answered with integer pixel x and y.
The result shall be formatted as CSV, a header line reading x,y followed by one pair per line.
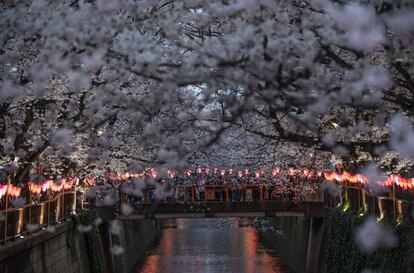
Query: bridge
x,y
226,209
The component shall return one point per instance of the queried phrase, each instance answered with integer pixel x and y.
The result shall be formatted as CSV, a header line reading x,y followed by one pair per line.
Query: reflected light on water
x,y
210,245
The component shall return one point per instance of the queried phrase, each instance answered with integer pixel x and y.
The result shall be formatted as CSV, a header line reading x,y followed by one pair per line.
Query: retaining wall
x,y
290,240
136,238
62,251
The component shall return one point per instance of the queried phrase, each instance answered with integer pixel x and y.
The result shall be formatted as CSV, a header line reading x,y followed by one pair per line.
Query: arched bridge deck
x,y
226,209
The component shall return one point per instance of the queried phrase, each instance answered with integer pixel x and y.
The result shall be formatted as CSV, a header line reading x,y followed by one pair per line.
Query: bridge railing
x,y
223,193
364,201
26,219
31,217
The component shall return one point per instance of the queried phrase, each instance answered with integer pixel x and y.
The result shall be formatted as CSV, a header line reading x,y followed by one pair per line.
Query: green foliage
x,y
91,239
343,255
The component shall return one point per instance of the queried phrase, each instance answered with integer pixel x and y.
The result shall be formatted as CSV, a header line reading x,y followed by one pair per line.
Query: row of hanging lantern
x,y
345,177
11,190
14,191
393,179
61,184
351,178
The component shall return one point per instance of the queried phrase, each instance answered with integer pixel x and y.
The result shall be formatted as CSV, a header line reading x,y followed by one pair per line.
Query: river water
x,y
210,245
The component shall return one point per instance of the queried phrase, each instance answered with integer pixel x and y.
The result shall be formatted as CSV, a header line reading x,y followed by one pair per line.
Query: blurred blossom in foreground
x,y
32,227
371,236
85,228
332,188
108,201
402,137
115,227
117,250
374,176
18,202
126,209
97,221
51,229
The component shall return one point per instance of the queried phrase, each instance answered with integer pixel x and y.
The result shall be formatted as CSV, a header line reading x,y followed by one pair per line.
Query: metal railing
x,y
223,193
23,220
363,201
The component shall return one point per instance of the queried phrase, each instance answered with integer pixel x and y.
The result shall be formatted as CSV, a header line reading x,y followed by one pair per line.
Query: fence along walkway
x,y
31,218
17,221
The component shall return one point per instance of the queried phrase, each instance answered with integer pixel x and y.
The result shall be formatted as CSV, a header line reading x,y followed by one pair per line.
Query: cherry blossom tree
x,y
121,83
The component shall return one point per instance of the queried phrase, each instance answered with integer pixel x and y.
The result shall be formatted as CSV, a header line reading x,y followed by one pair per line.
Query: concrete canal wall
x,y
69,251
63,251
289,236
136,238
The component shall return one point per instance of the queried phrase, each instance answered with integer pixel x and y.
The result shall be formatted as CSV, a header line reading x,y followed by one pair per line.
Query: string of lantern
x,y
15,191
332,176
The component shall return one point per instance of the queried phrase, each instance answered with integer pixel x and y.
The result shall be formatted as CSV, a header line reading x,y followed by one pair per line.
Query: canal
x,y
210,245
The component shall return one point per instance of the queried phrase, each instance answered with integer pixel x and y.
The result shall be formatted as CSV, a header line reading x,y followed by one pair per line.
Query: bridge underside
x,y
226,209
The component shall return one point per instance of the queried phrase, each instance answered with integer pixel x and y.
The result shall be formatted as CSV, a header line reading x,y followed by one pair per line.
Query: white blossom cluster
x,y
88,85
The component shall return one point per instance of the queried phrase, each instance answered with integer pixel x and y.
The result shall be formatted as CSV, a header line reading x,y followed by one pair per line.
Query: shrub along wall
x,y
93,246
344,256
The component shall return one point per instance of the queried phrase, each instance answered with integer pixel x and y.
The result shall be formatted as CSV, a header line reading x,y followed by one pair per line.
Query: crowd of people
x,y
216,187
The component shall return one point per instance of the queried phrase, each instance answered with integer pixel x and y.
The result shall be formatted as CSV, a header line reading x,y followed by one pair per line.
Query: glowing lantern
x,y
397,180
222,172
207,170
230,171
246,171
90,180
67,184
330,176
199,169
3,190
275,171
240,173
215,170
153,173
13,191
46,184
257,174
411,184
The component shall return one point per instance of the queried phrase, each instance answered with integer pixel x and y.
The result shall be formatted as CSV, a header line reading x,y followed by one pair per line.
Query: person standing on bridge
x,y
234,189
201,188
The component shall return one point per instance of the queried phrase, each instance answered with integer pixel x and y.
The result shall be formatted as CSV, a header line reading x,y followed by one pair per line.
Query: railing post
x,y
393,199
226,189
7,207
74,207
48,206
192,194
63,202
30,206
261,193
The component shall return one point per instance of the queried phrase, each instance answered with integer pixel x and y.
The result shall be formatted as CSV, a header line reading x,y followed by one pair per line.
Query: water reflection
x,y
210,245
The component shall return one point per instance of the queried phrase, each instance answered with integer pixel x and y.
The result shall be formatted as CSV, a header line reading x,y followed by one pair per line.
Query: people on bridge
x,y
201,188
234,189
